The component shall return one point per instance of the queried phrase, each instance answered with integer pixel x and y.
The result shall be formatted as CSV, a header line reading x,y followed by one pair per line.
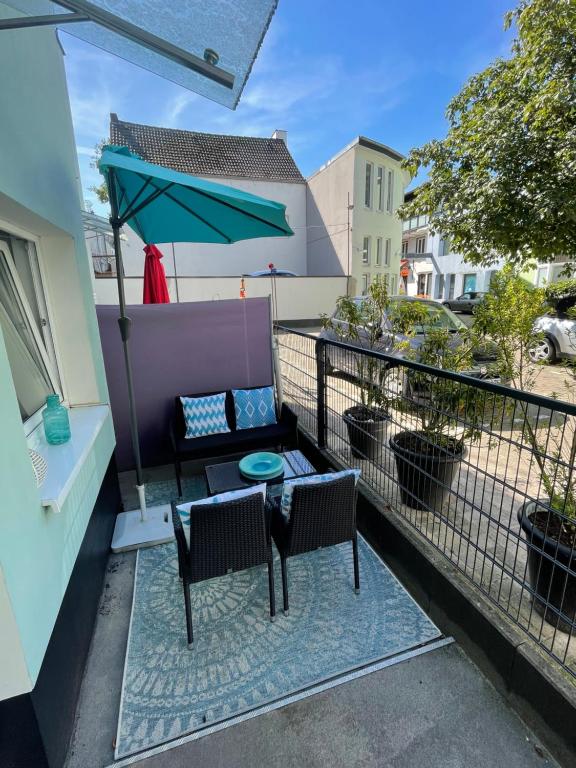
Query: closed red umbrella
x,y
155,287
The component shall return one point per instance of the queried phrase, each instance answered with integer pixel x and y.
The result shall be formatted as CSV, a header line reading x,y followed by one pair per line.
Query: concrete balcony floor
x,y
436,710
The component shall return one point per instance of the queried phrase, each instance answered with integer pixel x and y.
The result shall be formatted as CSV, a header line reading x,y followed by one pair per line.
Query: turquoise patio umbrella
x,y
165,206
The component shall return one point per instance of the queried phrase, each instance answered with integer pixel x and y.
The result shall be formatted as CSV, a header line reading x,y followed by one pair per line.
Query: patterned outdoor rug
x,y
241,662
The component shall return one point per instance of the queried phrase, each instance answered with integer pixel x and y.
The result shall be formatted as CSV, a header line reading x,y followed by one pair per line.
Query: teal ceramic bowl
x,y
261,466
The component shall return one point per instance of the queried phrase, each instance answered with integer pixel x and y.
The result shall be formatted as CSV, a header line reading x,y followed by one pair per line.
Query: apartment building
x,y
352,226
430,268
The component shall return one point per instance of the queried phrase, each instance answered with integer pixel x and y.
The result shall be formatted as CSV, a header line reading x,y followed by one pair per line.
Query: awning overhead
x,y
169,37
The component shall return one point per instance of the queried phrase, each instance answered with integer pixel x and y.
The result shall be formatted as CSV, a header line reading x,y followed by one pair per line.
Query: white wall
x,y
327,216
40,200
238,258
299,298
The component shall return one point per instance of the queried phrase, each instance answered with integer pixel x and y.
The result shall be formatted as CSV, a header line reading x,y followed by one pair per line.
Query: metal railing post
x,y
321,392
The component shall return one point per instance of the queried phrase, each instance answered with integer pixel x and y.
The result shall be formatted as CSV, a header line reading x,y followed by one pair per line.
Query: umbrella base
x,y
131,532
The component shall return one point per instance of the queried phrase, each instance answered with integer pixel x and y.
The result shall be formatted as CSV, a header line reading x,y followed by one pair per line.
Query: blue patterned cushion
x,y
184,509
254,407
205,415
289,485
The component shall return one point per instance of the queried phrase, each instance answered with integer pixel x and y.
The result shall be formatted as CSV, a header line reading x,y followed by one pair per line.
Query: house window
x,y
424,284
393,284
25,326
420,245
390,195
368,187
380,188
444,246
439,286
387,252
387,281
365,283
366,248
451,285
469,283
405,246
378,261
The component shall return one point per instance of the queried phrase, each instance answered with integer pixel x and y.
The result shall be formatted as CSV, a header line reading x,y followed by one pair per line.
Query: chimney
x,y
281,135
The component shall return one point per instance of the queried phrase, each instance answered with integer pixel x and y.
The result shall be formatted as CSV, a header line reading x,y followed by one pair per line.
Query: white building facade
x,y
260,166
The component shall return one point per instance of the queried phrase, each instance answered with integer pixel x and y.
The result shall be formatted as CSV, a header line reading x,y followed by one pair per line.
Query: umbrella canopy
x,y
165,206
155,288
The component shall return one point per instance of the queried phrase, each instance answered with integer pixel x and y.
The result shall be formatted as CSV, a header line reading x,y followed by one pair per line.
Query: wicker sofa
x,y
282,434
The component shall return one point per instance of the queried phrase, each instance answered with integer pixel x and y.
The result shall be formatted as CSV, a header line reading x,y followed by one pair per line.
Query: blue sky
x,y
328,71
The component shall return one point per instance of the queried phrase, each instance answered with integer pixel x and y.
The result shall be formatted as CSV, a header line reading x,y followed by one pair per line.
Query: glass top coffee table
x,y
227,476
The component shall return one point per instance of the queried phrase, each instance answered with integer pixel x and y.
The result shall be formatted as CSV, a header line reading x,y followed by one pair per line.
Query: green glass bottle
x,y
56,421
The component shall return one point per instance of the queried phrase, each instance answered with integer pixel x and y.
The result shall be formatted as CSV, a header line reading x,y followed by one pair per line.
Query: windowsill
x,y
65,461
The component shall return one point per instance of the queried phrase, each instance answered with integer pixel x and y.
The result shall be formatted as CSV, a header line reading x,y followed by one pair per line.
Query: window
x,y
439,286
368,188
390,196
25,327
405,246
469,283
365,283
387,252
387,281
420,245
424,284
542,277
366,248
444,246
491,274
102,251
380,188
378,261
451,286
393,284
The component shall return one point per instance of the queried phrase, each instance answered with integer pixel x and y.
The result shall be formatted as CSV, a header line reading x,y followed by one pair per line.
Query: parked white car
x,y
559,334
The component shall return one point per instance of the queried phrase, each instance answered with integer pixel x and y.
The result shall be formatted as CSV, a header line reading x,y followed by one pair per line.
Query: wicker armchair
x,y
226,537
321,515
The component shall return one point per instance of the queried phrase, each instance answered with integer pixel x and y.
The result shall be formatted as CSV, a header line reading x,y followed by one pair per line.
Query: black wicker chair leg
x,y
178,471
188,608
271,590
356,567
284,583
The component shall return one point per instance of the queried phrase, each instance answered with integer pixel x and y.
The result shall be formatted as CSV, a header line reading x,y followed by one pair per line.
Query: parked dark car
x,y
465,303
402,346
556,333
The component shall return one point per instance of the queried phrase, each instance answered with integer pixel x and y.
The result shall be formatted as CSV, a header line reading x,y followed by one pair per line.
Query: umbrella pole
x,y
125,323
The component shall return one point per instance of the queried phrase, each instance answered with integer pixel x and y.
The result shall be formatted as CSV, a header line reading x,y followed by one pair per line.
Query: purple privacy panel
x,y
177,349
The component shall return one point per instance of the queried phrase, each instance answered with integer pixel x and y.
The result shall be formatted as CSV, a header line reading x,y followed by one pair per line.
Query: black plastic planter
x,y
425,470
366,431
551,570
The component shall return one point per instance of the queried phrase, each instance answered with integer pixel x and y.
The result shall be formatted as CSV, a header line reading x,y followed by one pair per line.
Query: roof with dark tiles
x,y
208,154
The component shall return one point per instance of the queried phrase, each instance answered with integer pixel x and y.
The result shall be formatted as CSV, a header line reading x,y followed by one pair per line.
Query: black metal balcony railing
x,y
468,509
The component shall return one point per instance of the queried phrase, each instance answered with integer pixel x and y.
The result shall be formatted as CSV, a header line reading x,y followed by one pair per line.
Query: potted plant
x,y
428,455
508,315
359,323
